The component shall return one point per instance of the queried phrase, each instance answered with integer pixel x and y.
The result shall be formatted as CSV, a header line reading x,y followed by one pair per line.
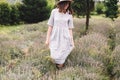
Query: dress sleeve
x,y
51,19
70,22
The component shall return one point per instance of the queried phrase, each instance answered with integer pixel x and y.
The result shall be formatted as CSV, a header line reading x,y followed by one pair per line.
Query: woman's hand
x,y
47,43
71,35
73,43
48,36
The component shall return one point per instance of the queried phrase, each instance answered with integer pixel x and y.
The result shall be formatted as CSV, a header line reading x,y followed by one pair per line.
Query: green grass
x,y
7,29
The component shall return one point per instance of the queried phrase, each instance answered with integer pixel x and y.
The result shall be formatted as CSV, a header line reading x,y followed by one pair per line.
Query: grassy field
x,y
23,55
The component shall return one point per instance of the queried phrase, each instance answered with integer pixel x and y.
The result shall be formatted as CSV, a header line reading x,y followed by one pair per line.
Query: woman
x,y
59,35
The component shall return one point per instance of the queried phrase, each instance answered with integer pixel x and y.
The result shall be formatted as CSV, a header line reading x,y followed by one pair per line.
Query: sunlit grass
x,y
7,29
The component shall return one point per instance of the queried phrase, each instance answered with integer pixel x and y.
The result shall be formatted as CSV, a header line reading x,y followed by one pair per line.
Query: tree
x,y
14,14
5,11
51,3
111,9
79,7
112,12
33,11
83,7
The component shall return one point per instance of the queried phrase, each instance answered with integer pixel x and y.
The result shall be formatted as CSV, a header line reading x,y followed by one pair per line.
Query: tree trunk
x,y
87,14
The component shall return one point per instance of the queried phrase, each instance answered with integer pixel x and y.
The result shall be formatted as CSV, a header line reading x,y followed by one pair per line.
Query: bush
x,y
9,51
117,31
79,7
92,45
9,14
5,11
116,61
111,9
15,14
100,26
117,41
79,29
89,53
79,73
51,3
22,71
33,11
117,25
100,8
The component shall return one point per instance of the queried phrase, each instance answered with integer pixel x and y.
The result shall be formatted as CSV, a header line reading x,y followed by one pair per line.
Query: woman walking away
x,y
59,35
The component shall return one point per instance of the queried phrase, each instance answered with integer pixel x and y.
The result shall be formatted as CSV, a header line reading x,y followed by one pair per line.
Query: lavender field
x,y
96,56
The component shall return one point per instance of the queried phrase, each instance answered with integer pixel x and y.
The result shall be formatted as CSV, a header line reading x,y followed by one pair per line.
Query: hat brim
x,y
63,1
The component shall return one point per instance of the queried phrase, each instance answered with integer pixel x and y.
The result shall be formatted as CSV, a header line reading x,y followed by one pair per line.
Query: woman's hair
x,y
61,6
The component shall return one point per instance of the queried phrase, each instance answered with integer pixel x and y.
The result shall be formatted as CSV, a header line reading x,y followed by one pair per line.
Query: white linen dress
x,y
60,39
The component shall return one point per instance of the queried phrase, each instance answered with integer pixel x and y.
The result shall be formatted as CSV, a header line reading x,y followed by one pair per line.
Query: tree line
x,y
33,11
30,11
84,7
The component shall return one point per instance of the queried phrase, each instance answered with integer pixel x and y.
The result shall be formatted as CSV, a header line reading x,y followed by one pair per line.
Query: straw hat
x,y
62,1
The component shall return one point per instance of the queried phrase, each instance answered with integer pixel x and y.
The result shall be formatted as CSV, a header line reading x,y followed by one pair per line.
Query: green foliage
x,y
33,11
79,7
15,14
30,11
111,9
9,14
5,11
100,8
51,3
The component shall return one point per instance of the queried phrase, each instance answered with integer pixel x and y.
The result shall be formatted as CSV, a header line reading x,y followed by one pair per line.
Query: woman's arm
x,y
71,34
48,35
